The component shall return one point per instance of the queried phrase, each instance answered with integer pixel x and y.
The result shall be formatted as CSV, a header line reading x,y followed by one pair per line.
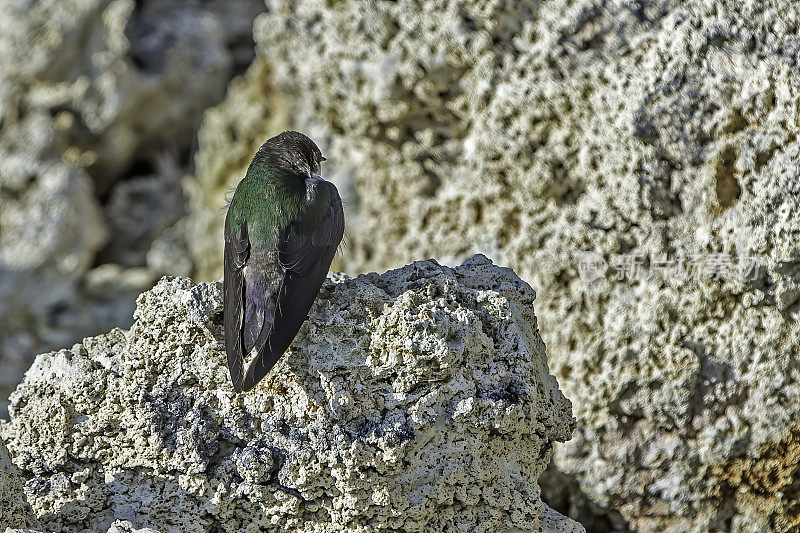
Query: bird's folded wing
x,y
305,257
237,251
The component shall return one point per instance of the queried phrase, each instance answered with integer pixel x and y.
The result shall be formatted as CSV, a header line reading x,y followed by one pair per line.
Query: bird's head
x,y
294,154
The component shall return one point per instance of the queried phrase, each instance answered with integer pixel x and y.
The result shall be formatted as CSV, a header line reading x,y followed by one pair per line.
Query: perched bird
x,y
282,229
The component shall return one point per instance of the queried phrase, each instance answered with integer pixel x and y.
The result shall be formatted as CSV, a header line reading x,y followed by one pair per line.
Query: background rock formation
x,y
535,131
416,400
529,131
99,103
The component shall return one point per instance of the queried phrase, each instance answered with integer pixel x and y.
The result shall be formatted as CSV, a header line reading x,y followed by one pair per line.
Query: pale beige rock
x,y
416,400
91,92
533,131
15,512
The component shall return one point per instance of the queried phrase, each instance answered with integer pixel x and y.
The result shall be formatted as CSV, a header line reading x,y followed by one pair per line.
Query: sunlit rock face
x,y
536,131
416,400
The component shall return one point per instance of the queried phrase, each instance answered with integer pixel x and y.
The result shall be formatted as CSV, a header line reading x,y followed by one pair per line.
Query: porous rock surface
x,y
15,511
415,400
94,93
533,131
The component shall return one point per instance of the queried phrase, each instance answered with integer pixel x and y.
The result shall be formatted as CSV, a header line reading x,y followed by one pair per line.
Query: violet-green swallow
x,y
283,227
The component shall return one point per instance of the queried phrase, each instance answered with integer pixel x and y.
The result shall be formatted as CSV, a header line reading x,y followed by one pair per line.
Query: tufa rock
x,y
15,511
96,96
415,400
535,131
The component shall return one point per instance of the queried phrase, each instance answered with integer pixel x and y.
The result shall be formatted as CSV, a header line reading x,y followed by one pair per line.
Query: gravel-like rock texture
x,y
533,131
99,104
416,400
15,511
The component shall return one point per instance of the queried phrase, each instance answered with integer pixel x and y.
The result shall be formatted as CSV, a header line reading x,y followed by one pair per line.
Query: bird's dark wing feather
x,y
237,251
305,258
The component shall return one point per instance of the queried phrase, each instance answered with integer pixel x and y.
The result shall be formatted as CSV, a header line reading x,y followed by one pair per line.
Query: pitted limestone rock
x,y
534,131
92,91
415,400
15,511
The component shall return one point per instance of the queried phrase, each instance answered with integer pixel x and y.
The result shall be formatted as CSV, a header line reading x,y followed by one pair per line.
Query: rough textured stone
x,y
99,103
416,400
15,511
47,240
532,131
116,76
140,210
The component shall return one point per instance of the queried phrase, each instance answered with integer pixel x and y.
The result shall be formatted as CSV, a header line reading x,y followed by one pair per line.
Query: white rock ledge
x,y
416,400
